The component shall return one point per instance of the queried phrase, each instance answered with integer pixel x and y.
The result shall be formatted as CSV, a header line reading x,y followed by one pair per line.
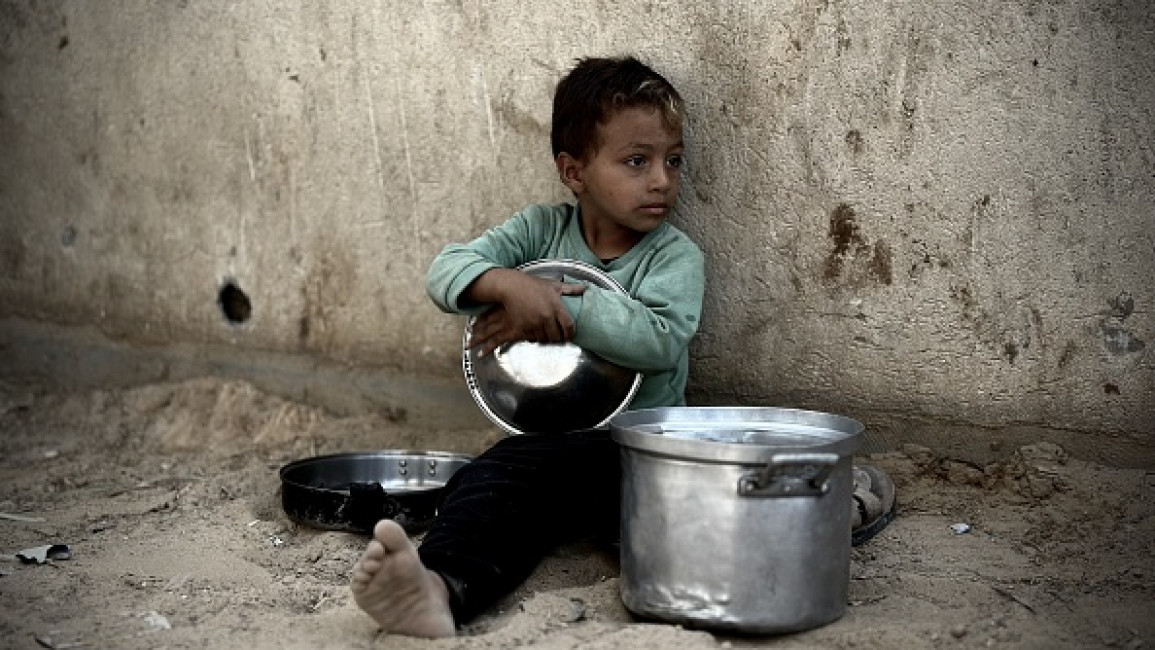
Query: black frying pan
x,y
353,491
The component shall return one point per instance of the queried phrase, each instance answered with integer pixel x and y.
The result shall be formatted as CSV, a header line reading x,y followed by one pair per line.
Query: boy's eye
x,y
636,161
676,161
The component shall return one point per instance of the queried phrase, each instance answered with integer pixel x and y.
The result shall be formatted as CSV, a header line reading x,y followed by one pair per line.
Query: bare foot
x,y
392,585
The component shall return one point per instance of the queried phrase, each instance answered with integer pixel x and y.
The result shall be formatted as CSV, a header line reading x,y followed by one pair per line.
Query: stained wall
x,y
935,216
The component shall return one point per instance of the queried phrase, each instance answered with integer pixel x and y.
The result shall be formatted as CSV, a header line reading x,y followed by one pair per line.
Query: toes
x,y
373,551
367,568
390,544
360,581
391,536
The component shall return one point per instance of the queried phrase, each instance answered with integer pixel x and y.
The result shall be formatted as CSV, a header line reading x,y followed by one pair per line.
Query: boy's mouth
x,y
655,209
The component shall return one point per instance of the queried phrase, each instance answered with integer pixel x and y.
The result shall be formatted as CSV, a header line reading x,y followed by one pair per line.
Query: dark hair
x,y
595,89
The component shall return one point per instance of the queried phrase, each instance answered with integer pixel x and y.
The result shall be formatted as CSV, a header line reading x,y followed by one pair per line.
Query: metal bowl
x,y
549,387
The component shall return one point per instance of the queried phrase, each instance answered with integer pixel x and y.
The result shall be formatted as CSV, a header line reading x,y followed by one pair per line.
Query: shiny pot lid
x,y
740,434
549,387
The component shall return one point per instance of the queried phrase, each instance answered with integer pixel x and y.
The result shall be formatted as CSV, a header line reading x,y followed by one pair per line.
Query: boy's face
x,y
629,184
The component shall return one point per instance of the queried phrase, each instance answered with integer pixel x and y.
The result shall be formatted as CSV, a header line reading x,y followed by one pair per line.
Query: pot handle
x,y
367,504
789,475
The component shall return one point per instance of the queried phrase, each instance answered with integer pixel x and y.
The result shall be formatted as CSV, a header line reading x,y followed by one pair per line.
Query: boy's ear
x,y
569,169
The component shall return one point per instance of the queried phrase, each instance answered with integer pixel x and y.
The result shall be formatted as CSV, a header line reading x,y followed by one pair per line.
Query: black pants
x,y
510,506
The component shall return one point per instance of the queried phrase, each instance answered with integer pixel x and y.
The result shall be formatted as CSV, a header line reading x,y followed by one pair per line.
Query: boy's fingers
x,y
477,342
487,326
567,289
477,333
567,328
554,333
486,346
483,335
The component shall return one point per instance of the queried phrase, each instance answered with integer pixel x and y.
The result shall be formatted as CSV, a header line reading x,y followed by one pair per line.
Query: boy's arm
x,y
649,331
475,277
458,266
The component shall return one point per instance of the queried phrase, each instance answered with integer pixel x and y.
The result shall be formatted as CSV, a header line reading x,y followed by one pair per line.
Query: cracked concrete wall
x,y
930,215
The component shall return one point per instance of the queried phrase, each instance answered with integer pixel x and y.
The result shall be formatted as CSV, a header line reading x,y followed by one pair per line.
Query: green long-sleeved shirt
x,y
649,330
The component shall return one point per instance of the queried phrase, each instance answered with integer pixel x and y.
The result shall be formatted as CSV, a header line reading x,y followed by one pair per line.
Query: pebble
x,y
156,621
958,631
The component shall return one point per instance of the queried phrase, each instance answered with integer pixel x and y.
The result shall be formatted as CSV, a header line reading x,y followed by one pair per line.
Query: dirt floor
x,y
167,497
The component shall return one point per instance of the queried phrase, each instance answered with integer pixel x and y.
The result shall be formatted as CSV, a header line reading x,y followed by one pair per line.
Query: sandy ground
x,y
168,498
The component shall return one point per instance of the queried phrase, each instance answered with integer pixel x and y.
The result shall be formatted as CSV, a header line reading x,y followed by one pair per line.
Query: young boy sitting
x,y
617,144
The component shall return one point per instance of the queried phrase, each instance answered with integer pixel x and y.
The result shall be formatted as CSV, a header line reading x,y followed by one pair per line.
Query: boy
x,y
617,144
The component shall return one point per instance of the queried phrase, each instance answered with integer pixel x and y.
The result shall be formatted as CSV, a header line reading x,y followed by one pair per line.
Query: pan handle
x,y
367,504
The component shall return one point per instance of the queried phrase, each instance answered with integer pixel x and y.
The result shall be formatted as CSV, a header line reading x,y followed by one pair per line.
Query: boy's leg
x,y
511,505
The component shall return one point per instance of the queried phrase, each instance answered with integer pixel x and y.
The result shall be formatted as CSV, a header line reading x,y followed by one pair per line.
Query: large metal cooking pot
x,y
736,518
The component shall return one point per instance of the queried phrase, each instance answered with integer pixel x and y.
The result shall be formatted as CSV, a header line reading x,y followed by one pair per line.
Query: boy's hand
x,y
528,309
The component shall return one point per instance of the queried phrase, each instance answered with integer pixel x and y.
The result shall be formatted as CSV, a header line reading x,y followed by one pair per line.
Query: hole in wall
x,y
68,237
234,303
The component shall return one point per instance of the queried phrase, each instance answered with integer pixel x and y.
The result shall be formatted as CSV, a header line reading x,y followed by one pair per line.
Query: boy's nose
x,y
659,178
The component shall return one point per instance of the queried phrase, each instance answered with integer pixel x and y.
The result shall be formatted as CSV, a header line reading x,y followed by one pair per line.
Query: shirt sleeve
x,y
650,330
458,265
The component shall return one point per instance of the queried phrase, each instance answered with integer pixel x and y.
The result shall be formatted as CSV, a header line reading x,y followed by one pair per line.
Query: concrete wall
x,y
936,215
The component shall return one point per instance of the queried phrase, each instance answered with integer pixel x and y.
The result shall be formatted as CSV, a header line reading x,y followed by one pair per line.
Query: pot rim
x,y
644,430
288,472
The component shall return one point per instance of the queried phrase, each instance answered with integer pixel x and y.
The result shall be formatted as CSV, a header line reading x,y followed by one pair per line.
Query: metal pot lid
x,y
549,387
738,434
